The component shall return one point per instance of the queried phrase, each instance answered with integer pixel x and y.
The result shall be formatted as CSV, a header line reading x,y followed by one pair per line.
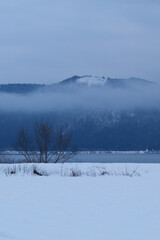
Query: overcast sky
x,y
45,41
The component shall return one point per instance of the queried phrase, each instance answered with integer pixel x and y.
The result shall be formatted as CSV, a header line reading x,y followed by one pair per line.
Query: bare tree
x,y
48,146
24,145
43,134
61,151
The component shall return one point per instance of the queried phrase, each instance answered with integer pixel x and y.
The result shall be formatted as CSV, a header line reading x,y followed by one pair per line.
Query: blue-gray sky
x,y
45,41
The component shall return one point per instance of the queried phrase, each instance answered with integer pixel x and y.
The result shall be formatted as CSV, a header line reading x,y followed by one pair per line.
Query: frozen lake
x,y
105,157
100,157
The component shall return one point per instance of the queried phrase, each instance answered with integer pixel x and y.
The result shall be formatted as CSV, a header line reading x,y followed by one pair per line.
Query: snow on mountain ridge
x,y
92,80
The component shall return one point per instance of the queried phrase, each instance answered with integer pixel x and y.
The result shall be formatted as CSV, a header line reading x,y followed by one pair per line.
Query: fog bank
x,y
89,99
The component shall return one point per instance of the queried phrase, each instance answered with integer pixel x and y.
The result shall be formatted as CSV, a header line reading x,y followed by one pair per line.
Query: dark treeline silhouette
x,y
20,88
121,132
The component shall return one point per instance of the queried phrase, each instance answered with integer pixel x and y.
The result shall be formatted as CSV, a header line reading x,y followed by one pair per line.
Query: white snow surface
x,y
93,80
59,207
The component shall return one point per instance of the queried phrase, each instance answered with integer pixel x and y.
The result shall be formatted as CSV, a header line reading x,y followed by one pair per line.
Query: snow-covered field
x,y
103,202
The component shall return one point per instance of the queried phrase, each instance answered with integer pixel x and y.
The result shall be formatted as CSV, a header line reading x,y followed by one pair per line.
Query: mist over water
x,y
87,99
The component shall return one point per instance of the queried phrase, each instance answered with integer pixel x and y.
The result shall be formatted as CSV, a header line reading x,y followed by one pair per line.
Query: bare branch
x,y
46,149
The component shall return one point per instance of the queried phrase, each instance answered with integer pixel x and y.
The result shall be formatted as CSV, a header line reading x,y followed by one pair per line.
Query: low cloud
x,y
87,99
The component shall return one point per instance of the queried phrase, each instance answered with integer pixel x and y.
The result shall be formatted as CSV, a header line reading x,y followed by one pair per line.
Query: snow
x,y
92,80
91,208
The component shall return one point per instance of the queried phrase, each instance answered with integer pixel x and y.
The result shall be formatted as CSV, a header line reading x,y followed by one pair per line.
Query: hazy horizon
x,y
48,41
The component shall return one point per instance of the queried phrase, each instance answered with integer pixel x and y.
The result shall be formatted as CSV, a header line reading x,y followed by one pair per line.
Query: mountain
x,y
87,80
77,81
87,107
90,81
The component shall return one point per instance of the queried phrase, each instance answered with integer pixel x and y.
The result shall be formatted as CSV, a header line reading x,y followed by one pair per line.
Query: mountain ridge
x,y
78,81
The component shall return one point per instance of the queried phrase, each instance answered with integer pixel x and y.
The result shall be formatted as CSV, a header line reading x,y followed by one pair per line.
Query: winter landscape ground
x,y
104,201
